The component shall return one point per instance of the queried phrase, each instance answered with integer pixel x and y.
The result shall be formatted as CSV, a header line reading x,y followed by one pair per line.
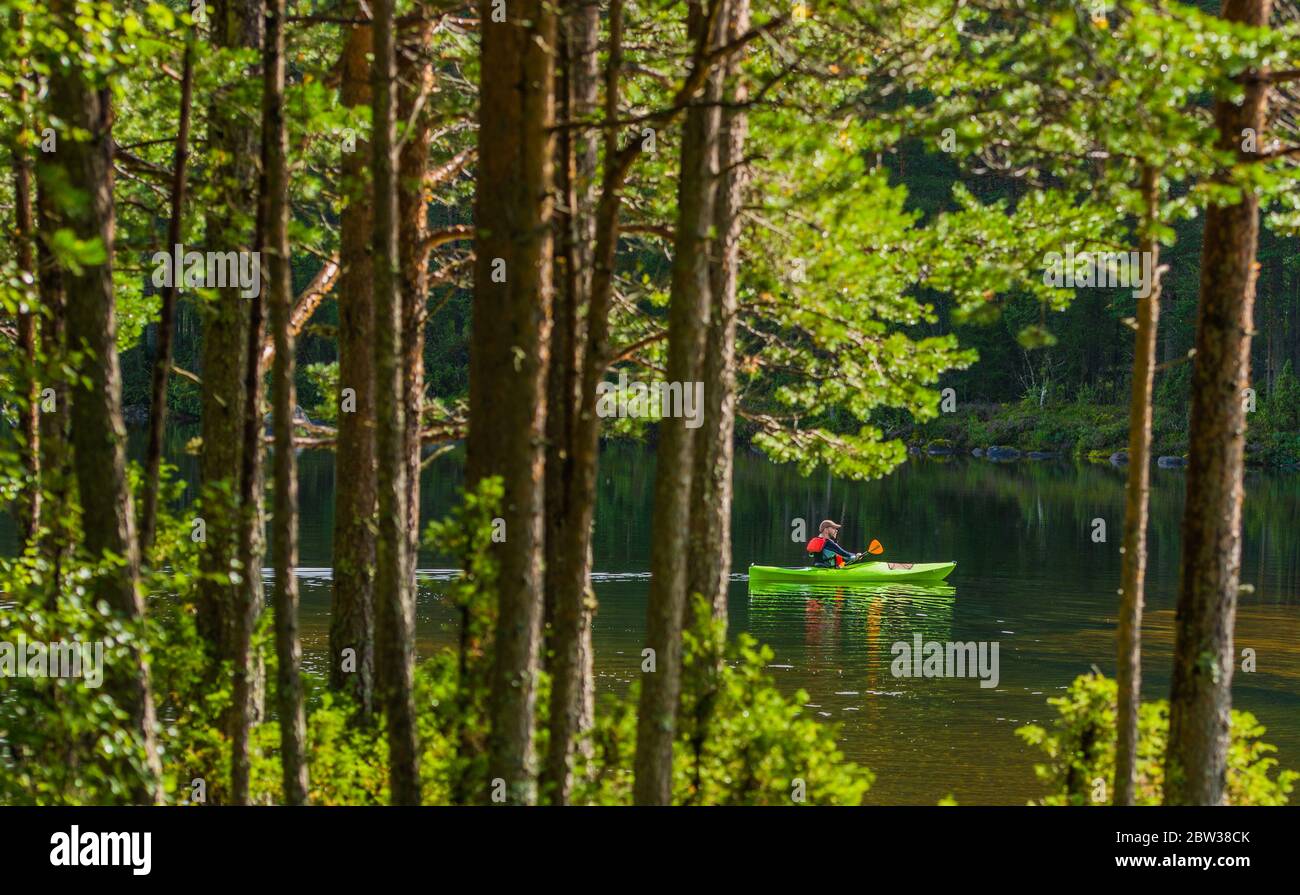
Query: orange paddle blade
x,y
875,548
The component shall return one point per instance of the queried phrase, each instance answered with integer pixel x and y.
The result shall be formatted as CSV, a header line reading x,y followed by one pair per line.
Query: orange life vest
x,y
815,547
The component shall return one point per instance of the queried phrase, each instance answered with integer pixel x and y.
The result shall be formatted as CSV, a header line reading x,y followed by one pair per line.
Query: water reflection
x,y
1028,577
866,620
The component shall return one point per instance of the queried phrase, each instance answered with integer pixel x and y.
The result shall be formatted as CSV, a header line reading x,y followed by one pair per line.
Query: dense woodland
x,y
468,218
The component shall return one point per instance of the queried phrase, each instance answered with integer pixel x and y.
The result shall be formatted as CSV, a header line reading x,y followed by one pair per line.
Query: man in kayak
x,y
825,552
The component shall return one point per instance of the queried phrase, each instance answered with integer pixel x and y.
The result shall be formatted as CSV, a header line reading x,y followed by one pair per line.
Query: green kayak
x,y
858,572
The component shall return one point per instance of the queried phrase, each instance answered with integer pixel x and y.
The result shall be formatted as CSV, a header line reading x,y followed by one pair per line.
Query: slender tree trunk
x,y
688,319
1129,667
395,646
248,595
511,328
167,314
29,503
564,326
413,162
709,555
97,431
228,591
352,616
274,231
569,599
1200,700
56,479
1272,320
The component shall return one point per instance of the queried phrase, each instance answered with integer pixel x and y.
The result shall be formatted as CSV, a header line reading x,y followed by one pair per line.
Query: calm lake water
x,y
1029,577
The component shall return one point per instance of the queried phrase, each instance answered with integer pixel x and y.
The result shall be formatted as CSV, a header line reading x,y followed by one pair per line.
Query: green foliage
x,y
324,377
760,747
1080,750
460,701
1280,410
66,742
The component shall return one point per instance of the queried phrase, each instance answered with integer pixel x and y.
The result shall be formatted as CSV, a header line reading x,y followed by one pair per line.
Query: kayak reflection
x,y
878,614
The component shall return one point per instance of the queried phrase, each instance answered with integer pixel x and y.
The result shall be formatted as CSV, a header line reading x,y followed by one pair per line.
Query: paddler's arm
x,y
836,548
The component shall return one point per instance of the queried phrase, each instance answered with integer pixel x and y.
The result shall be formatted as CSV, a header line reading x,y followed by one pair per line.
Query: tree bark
x,y
688,319
1200,700
274,230
251,535
56,476
413,161
508,353
229,588
352,615
394,646
29,502
709,555
1136,501
98,434
569,455
167,314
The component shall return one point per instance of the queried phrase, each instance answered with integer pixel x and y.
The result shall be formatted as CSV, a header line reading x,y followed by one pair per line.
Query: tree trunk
x,y
560,388
228,589
394,641
248,595
352,615
413,161
29,503
167,315
688,319
1128,672
508,353
56,477
569,600
274,230
97,431
709,555
1200,698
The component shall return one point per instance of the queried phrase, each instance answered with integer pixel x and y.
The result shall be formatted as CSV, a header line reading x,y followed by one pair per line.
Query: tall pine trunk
x,y
29,502
98,435
53,456
248,594
1136,500
413,161
508,354
709,555
229,588
395,639
710,552
167,314
352,614
274,231
688,319
569,599
1200,700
